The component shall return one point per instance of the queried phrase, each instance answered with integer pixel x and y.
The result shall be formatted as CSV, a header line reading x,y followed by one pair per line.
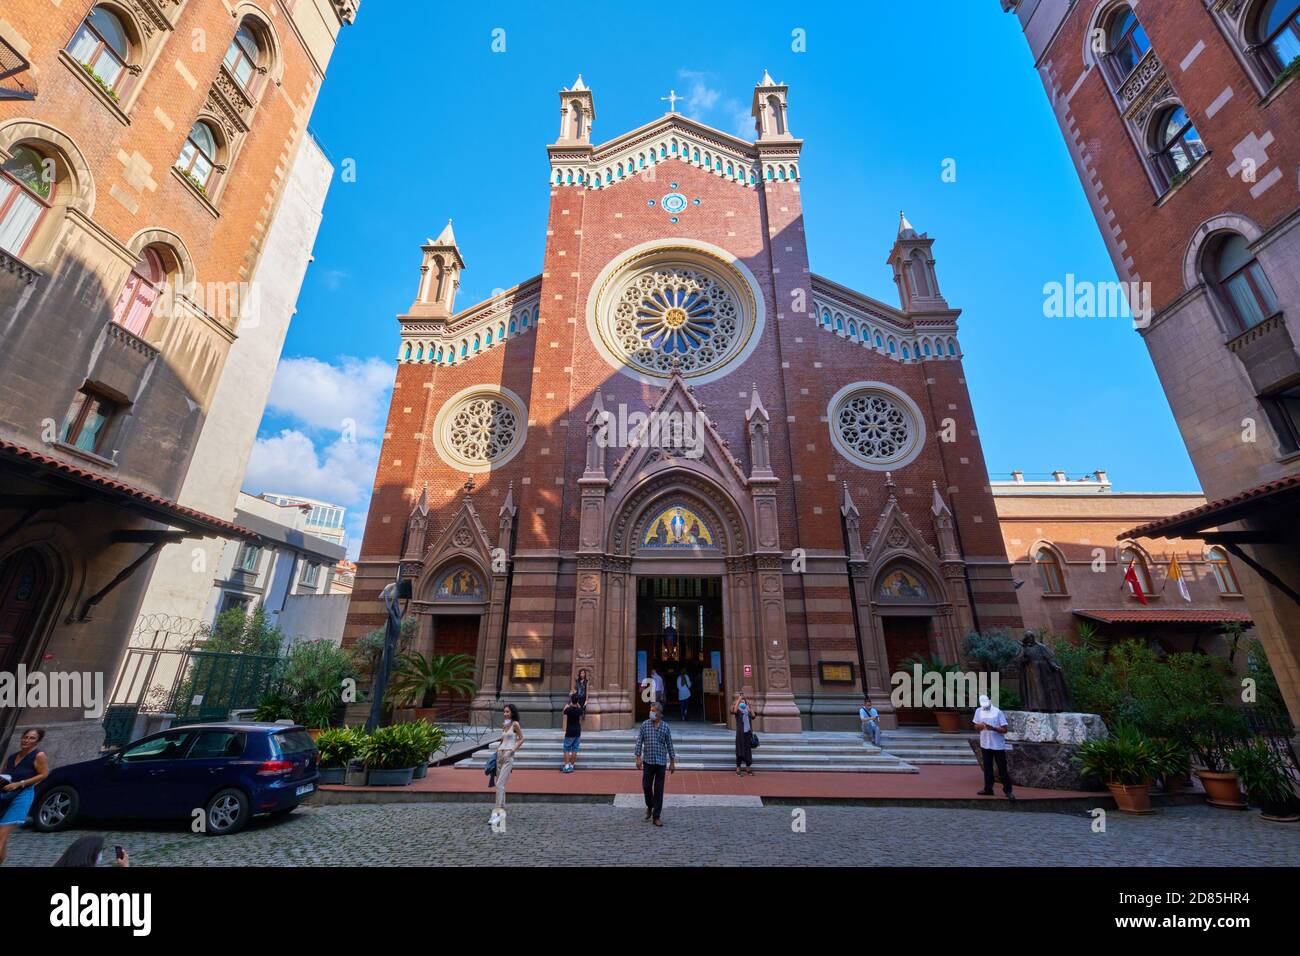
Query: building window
x,y
102,46
1242,284
198,156
1277,35
27,186
1134,557
250,556
230,601
1222,571
144,286
1177,144
244,57
310,575
1127,42
1283,410
1049,571
87,420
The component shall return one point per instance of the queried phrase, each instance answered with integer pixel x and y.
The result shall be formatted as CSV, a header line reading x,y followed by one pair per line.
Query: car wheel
x,y
227,812
56,810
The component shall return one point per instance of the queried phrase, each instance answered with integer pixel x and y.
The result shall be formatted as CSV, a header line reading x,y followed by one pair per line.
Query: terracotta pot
x,y
1131,798
1221,789
1177,784
949,721
314,732
426,713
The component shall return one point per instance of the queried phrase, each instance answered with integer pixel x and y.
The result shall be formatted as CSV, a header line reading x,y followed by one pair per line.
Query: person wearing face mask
x,y
744,715
655,742
992,725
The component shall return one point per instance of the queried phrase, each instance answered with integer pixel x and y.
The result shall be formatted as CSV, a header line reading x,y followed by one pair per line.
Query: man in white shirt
x,y
656,686
684,692
870,718
992,725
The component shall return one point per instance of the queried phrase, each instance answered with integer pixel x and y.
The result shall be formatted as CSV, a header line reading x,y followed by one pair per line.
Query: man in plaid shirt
x,y
656,740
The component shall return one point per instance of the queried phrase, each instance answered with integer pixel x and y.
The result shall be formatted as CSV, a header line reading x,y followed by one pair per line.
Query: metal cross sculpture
x,y
672,99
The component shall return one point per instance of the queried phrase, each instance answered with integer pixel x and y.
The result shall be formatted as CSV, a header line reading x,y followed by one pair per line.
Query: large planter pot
x,y
1280,812
332,775
355,775
1176,784
426,713
421,770
1131,798
403,715
949,721
1221,789
315,732
389,778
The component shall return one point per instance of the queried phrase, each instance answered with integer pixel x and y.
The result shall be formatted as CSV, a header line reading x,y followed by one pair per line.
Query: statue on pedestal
x,y
1042,682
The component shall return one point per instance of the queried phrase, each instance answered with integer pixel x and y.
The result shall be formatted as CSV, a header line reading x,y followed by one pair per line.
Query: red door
x,y
906,637
455,634
24,585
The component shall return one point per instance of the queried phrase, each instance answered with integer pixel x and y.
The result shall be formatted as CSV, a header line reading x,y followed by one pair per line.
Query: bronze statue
x,y
1042,682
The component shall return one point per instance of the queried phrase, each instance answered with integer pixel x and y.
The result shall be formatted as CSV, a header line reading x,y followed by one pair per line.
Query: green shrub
x,y
395,747
1264,777
1125,757
419,680
993,652
339,745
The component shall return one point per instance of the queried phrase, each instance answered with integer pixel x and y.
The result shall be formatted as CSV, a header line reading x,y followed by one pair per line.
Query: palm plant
x,y
418,680
1125,757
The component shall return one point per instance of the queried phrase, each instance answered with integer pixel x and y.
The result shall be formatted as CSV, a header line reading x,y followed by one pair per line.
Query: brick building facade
x,y
144,146
1183,119
678,447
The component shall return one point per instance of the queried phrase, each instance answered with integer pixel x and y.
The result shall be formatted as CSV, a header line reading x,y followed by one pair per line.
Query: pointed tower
x,y
439,277
912,260
577,113
769,109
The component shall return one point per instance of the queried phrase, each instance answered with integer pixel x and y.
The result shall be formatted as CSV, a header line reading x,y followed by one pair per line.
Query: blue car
x,y
229,771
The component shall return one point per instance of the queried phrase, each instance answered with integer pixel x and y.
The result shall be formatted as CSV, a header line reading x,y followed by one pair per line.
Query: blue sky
x,y
438,125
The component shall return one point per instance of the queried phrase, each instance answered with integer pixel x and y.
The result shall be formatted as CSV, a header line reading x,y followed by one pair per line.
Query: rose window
x,y
873,427
676,317
482,429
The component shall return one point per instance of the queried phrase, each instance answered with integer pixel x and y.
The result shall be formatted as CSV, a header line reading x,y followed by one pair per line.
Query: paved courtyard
x,y
561,834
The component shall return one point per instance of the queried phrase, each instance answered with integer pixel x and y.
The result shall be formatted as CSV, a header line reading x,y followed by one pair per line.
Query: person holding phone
x,y
89,851
21,774
744,715
992,725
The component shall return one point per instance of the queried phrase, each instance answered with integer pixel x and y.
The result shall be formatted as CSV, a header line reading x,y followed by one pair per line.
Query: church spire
x,y
912,259
577,113
439,276
769,109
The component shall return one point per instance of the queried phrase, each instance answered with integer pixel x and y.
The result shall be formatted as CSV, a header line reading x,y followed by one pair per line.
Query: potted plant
x,y
337,746
1221,732
425,740
1264,777
1173,765
419,680
1125,761
948,718
390,755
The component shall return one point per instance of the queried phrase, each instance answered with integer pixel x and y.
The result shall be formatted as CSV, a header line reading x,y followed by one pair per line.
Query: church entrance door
x,y
679,634
906,637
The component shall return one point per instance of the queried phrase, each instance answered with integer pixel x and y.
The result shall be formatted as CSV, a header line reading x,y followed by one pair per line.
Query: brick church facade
x,y
678,447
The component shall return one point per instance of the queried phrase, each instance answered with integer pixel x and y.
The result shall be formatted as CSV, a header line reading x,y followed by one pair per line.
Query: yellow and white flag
x,y
1176,574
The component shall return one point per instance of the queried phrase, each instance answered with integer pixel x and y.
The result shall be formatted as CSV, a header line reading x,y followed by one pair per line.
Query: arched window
x,y
1277,34
1133,556
1177,144
1126,43
244,56
1049,571
198,157
144,287
28,182
103,48
1217,558
1241,282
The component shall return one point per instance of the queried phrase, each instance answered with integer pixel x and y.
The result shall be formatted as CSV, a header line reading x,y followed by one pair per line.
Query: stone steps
x,y
929,747
706,749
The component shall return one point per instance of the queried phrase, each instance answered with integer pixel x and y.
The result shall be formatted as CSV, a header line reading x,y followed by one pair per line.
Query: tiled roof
x,y
1155,615
1187,520
153,506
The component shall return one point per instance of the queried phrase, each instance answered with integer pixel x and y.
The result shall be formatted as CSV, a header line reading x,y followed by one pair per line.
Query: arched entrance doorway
x,y
451,604
912,615
26,580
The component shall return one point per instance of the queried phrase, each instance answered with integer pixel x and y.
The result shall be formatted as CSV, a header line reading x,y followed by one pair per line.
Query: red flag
x,y
1131,578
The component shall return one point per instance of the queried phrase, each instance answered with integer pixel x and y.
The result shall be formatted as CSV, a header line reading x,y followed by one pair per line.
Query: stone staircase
x,y
924,746
702,747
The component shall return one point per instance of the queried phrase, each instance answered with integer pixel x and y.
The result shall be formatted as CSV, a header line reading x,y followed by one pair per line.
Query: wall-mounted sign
x,y
710,677
749,670
526,670
836,672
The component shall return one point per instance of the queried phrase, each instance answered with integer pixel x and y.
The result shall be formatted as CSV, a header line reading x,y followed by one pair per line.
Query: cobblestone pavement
x,y
551,834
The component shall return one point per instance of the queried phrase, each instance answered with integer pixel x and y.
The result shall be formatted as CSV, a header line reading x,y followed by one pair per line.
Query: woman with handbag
x,y
744,714
22,773
512,738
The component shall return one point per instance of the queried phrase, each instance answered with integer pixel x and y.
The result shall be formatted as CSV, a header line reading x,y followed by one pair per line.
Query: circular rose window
x,y
481,428
674,308
875,426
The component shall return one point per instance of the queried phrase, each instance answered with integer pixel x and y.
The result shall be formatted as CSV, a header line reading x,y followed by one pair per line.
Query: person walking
x,y
870,718
684,693
21,774
744,736
657,686
992,725
512,738
654,755
572,733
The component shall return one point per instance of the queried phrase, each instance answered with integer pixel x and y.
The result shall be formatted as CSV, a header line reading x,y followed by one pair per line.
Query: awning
x,y
1279,492
1155,615
38,467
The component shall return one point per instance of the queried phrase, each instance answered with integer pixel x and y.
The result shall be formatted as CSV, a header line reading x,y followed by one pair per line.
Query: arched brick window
x,y
1126,43
1224,577
144,287
1176,145
28,184
1243,288
1049,571
103,46
1275,31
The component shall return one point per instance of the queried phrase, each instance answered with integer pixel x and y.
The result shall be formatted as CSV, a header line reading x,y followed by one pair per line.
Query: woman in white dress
x,y
512,738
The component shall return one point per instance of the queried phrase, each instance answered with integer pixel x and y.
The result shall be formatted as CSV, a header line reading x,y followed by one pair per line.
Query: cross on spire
x,y
672,99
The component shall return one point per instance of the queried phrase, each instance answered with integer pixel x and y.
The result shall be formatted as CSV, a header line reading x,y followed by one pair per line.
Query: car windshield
x,y
168,746
290,742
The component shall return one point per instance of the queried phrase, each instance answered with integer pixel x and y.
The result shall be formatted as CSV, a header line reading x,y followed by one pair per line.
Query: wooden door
x,y
456,634
24,587
906,637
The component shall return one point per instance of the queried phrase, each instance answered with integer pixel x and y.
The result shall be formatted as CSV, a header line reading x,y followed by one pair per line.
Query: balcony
x,y
16,267
1268,353
122,362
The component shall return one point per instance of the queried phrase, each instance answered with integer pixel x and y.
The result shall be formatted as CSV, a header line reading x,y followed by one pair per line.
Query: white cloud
x,y
327,397
343,473
702,100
